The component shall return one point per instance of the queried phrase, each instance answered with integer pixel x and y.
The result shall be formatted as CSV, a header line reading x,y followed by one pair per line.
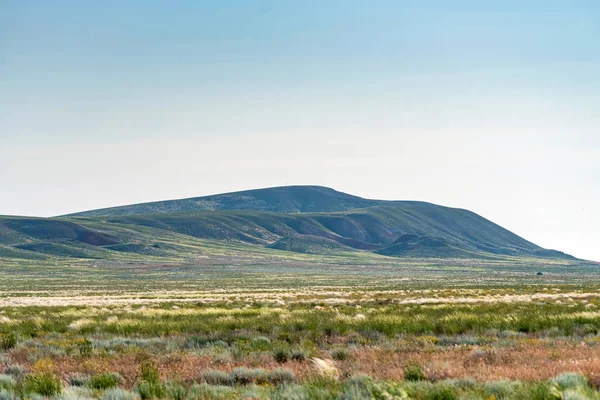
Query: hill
x,y
284,199
293,219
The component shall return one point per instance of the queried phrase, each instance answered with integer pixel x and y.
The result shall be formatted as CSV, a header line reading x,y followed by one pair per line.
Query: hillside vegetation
x,y
277,218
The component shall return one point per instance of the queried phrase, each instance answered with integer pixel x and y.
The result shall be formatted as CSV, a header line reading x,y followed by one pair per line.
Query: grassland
x,y
240,322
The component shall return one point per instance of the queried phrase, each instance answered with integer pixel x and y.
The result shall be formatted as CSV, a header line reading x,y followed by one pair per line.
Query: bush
x,y
441,393
414,372
118,394
150,390
214,377
8,395
8,341
149,385
340,354
16,370
85,348
149,372
80,380
571,380
261,343
245,376
298,355
45,384
7,382
105,381
281,355
281,376
175,391
205,391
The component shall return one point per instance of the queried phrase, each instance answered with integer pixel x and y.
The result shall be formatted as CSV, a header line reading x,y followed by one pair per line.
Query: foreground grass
x,y
503,343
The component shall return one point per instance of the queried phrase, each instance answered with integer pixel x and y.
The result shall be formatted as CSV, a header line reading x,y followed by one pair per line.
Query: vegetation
x,y
123,307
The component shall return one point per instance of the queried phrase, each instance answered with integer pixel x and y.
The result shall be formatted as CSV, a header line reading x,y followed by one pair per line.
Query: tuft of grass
x,y
281,355
215,377
45,384
281,376
105,381
8,341
298,355
7,382
246,376
414,372
118,394
340,354
204,391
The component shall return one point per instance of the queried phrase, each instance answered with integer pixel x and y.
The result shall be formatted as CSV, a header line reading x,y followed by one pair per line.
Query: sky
x,y
490,106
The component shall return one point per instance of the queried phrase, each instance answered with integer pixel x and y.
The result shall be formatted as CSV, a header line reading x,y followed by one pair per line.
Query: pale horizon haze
x,y
489,106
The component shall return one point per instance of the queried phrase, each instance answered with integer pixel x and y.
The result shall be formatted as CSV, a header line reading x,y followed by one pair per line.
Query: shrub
x,y
205,391
215,377
104,381
245,376
150,390
8,395
340,354
281,355
80,380
438,392
261,343
16,370
571,380
45,384
281,376
149,372
291,392
118,394
414,372
85,348
175,391
7,382
149,385
8,341
298,355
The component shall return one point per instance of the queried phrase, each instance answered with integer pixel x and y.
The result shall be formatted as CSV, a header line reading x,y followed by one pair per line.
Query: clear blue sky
x,y
487,105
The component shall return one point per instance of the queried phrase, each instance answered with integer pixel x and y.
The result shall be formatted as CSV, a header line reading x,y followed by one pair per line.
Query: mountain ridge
x,y
301,219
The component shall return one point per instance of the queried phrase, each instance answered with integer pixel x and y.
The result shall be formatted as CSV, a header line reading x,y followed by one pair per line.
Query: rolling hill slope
x,y
285,199
298,219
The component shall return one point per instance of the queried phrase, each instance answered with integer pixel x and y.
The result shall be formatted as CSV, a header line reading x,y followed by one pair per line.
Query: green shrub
x,y
150,390
571,380
205,391
7,382
175,391
298,355
45,384
281,376
105,381
414,372
441,392
80,380
8,341
8,395
261,343
149,372
281,355
149,385
16,370
246,376
340,354
215,377
118,394
86,348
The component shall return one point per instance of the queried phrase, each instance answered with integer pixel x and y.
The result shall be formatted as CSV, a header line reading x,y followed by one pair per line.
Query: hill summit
x,y
301,219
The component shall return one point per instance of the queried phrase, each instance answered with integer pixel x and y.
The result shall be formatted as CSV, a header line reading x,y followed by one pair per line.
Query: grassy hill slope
x,y
285,199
